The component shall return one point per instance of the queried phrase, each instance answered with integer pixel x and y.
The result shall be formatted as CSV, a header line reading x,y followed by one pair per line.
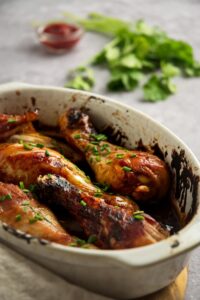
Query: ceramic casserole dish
x,y
127,273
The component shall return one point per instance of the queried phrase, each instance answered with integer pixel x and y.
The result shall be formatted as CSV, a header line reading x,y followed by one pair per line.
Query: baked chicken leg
x,y
139,174
25,162
11,124
37,139
21,211
112,227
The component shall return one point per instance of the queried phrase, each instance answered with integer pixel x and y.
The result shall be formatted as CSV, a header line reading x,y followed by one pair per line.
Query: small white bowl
x,y
127,273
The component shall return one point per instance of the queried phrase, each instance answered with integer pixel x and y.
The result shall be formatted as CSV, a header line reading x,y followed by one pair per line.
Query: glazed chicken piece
x,y
18,128
11,124
23,212
111,226
139,174
40,141
19,163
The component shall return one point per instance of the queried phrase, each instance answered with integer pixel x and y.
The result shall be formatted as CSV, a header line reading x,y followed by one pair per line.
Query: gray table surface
x,y
22,59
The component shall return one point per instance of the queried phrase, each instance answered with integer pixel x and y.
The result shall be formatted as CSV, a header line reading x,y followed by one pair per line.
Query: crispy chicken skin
x,y
48,142
21,211
20,164
139,174
11,124
113,227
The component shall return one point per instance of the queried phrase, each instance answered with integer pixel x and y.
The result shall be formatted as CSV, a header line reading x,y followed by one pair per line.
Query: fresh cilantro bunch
x,y
138,53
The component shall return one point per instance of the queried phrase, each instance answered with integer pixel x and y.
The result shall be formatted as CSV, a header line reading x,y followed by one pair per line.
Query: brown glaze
x,y
11,124
139,174
21,211
113,227
18,164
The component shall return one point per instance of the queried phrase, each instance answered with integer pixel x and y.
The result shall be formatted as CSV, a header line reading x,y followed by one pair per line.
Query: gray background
x,y
22,59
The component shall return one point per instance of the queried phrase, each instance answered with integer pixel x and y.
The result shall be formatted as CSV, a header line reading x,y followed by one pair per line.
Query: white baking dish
x,y
116,273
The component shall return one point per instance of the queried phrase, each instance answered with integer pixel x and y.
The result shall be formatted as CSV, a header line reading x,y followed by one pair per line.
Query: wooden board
x,y
175,291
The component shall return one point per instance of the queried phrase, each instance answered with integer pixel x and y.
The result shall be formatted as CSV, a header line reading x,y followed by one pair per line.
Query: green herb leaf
x,y
39,145
98,194
138,215
92,239
26,203
169,70
18,218
119,155
83,203
12,121
99,137
158,88
5,197
82,79
37,217
21,185
32,187
47,153
77,136
135,50
28,146
127,169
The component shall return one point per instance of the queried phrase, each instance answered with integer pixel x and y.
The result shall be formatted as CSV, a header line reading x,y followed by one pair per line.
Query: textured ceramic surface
x,y
120,273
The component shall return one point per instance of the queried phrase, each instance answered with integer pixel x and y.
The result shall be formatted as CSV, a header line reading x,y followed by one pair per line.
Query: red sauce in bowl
x,y
59,37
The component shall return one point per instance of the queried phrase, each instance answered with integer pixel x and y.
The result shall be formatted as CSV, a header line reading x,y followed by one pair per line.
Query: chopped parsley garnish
x,y
26,203
109,162
18,218
126,169
37,217
104,187
32,187
12,121
80,242
95,150
39,145
92,239
9,196
138,215
99,137
28,146
104,147
94,142
98,158
5,197
133,155
49,176
77,136
87,148
83,203
22,187
98,194
47,153
119,155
